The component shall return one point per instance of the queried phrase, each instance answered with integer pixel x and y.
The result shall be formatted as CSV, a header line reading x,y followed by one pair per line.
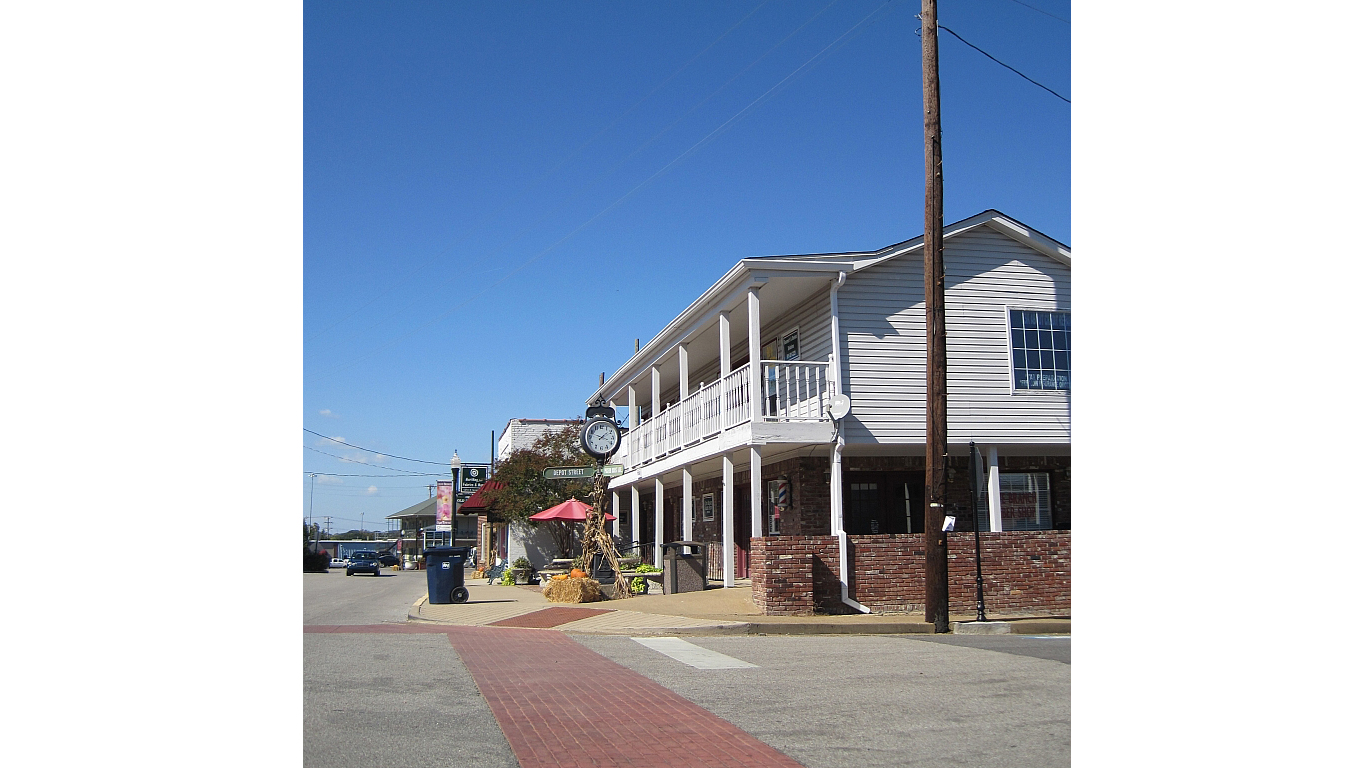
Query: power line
x,y
1002,63
638,187
543,176
377,453
1032,8
412,474
402,472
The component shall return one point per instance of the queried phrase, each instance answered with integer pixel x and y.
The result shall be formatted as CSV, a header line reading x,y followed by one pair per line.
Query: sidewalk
x,y
715,611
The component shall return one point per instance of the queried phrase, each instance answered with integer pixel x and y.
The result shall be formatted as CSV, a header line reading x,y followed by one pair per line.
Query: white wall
x,y
882,320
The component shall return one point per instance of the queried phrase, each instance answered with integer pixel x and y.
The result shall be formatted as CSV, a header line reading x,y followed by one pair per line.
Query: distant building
x,y
523,433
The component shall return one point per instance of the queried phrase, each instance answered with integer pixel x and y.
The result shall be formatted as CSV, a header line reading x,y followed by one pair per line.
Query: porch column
x,y
654,391
659,522
756,492
994,489
727,520
756,399
687,503
682,372
724,323
616,513
635,516
632,412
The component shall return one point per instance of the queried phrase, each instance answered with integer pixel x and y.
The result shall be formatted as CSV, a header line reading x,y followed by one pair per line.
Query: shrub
x,y
316,562
521,562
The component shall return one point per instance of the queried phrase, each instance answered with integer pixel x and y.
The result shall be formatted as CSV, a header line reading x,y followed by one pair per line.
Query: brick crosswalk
x,y
561,704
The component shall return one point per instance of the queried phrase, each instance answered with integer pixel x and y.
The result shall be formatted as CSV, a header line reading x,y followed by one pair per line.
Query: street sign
x,y
570,473
583,473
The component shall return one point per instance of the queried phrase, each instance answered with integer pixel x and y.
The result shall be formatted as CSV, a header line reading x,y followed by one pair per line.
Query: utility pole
x,y
311,477
430,490
936,351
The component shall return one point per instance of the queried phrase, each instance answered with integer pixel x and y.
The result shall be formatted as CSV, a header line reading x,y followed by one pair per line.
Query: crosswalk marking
x,y
692,655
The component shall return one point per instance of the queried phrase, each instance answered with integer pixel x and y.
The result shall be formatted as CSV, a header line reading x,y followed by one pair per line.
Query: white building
x,y
798,330
523,433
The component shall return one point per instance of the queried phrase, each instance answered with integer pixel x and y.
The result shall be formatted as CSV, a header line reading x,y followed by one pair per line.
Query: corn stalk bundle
x,y
596,539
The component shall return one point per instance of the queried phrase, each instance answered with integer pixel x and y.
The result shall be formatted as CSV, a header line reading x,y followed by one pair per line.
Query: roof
x,y
425,508
755,271
480,500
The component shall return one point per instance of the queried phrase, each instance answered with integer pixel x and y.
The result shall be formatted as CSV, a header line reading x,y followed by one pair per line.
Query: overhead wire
x,y
542,177
1002,63
377,453
706,139
402,472
1040,10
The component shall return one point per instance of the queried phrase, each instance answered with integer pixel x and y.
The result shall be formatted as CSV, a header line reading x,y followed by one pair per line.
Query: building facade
x,y
737,434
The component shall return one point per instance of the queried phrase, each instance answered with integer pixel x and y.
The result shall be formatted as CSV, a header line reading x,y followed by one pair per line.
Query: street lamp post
x,y
311,477
455,491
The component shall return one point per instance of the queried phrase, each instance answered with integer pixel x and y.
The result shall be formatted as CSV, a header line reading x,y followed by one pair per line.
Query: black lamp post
x,y
974,487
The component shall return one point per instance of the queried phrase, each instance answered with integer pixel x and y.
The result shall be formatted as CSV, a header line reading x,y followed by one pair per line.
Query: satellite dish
x,y
839,407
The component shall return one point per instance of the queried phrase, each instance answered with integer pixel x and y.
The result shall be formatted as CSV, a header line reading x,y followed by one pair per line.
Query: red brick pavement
x,y
560,704
548,617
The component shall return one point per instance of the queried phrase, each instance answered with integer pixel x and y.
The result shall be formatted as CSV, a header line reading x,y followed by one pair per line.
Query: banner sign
x,y
443,504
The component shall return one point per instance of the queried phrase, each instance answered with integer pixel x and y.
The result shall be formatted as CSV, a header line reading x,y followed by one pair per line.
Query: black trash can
x,y
446,574
685,571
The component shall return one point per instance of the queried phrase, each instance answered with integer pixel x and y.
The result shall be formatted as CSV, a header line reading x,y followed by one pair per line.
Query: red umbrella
x,y
569,510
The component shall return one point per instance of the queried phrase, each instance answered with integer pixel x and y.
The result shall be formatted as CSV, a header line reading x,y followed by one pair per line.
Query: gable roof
x,y
425,508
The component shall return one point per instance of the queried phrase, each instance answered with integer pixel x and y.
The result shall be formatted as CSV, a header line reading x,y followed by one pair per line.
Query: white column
x,y
687,503
837,486
725,343
756,371
682,372
654,391
659,522
635,516
616,512
633,413
994,489
756,492
727,520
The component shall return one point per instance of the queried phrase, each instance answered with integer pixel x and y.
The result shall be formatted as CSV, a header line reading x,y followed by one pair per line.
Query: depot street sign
x,y
582,473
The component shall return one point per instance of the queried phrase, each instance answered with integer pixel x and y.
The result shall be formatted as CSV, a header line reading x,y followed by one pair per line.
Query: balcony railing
x,y
792,391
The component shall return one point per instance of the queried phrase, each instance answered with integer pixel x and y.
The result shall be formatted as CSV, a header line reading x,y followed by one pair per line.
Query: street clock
x,y
600,435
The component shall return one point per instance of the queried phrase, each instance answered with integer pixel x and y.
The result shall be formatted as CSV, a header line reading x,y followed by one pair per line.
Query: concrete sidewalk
x,y
715,611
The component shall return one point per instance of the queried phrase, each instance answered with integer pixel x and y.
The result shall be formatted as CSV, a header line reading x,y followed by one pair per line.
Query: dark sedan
x,y
362,565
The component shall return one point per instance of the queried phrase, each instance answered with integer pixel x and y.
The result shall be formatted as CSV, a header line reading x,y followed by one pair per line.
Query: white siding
x,y
882,320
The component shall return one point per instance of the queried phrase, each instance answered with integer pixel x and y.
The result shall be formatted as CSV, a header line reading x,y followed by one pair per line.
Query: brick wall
x,y
1023,572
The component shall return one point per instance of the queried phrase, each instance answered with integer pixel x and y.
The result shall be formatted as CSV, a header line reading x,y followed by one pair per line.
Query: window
x,y
1024,502
779,501
708,507
1041,349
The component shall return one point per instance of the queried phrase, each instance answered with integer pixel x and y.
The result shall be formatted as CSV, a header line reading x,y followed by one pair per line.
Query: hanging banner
x,y
443,505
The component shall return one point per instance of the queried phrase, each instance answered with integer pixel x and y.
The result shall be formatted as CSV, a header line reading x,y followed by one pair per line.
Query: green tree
x,y
525,490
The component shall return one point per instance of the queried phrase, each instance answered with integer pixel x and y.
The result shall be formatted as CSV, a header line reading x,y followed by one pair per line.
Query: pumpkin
x,y
560,577
578,573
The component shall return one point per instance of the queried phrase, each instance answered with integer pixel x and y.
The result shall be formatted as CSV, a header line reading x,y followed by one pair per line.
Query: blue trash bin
x,y
446,574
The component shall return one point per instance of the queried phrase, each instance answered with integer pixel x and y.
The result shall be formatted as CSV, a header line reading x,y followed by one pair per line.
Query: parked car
x,y
340,562
362,565
385,559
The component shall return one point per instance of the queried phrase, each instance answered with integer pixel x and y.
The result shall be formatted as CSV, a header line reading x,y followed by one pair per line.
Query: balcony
x,y
792,391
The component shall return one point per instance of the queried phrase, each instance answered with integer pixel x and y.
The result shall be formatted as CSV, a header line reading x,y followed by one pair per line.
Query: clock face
x,y
600,437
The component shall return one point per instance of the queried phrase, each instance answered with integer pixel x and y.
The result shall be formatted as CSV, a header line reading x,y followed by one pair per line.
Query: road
x,y
375,696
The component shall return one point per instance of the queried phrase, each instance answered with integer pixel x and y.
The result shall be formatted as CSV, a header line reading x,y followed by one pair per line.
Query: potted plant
x,y
521,571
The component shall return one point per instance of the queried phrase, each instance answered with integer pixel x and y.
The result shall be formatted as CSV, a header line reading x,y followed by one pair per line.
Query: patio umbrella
x,y
569,510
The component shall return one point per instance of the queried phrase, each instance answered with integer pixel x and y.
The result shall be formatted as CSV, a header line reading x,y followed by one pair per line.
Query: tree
x,y
525,490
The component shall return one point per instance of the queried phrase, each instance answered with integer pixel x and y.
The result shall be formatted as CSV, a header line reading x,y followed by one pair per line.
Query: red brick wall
x,y
1023,572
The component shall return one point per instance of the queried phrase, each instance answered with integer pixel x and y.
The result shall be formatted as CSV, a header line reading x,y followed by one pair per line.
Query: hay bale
x,y
572,591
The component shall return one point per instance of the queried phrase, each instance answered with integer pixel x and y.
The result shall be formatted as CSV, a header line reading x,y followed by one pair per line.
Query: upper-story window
x,y
1041,349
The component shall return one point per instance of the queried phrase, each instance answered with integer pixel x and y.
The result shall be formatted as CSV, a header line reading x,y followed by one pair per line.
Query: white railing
x,y
794,391
735,396
791,391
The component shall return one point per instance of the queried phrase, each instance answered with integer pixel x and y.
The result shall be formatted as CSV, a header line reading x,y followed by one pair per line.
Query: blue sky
x,y
500,197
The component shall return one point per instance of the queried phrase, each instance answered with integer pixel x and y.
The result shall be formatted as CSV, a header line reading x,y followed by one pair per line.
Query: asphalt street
x,y
828,701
